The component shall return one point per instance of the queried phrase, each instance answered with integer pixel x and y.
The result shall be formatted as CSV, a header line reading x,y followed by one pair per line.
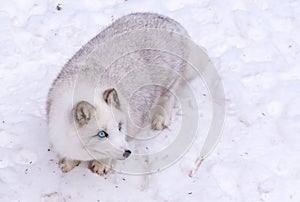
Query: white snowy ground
x,y
256,48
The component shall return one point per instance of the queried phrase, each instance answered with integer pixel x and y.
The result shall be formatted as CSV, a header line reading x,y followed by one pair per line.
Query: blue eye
x,y
102,134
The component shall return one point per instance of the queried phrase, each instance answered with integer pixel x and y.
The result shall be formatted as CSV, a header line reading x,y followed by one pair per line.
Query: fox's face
x,y
102,127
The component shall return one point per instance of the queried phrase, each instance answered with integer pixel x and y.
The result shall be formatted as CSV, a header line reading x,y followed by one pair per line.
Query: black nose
x,y
126,154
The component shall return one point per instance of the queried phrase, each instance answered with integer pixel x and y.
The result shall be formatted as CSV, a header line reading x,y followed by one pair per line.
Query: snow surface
x,y
255,45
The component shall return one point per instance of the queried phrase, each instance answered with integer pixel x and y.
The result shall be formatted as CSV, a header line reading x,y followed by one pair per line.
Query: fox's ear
x,y
111,97
83,112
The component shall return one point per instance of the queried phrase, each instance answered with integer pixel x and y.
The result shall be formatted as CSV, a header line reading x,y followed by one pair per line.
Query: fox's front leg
x,y
66,164
100,167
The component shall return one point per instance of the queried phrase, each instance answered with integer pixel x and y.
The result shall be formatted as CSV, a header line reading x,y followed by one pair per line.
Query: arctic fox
x,y
91,128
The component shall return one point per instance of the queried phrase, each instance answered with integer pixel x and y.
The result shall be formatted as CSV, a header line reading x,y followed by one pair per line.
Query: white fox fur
x,y
75,117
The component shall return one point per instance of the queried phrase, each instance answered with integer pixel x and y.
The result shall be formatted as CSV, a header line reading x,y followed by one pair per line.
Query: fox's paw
x,y
98,167
66,165
160,119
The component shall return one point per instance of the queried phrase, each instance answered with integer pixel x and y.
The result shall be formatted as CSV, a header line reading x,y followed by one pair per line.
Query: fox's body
x,y
86,97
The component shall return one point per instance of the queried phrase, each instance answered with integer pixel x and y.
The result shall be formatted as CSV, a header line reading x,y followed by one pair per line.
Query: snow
x,y
255,46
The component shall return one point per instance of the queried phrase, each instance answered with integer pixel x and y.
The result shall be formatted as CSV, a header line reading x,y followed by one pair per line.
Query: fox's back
x,y
87,62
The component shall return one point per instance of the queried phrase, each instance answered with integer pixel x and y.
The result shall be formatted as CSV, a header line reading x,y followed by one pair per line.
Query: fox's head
x,y
102,126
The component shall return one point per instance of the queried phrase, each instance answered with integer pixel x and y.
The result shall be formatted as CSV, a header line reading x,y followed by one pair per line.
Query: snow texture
x,y
255,45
